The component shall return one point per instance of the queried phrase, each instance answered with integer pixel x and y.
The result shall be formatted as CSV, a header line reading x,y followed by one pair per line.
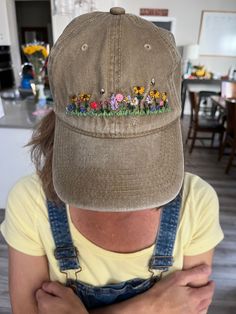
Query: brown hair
x,y
42,152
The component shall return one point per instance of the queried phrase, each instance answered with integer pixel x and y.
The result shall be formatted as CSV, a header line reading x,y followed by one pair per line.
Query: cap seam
x,y
175,56
99,135
119,53
57,49
62,38
172,86
160,31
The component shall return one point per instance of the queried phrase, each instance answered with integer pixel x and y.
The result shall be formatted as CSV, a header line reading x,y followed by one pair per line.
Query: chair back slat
x,y
231,116
194,105
201,124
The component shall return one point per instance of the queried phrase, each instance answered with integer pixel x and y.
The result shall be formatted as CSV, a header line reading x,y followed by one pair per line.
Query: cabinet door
x,y
14,159
4,26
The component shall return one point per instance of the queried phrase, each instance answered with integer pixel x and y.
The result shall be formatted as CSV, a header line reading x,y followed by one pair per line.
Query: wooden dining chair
x,y
230,135
200,124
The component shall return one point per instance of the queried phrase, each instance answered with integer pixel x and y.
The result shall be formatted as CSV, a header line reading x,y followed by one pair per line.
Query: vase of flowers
x,y
37,54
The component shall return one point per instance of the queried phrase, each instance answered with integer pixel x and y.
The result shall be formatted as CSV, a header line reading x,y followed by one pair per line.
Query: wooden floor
x,y
204,163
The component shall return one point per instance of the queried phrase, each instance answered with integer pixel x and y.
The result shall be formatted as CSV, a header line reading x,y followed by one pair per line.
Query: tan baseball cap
x,y
115,80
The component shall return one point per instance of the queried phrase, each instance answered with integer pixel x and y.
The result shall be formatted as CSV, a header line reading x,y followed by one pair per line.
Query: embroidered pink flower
x,y
119,97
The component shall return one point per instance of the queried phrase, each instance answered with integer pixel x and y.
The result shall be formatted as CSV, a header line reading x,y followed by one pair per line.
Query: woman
x,y
110,210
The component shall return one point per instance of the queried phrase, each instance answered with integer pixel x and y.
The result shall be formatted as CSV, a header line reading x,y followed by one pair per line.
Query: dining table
x,y
200,84
218,101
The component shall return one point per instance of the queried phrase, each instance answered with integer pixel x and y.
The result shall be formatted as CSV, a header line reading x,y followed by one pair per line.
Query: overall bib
x,y
93,297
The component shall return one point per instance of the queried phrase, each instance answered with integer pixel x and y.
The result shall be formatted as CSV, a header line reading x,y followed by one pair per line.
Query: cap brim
x,y
118,174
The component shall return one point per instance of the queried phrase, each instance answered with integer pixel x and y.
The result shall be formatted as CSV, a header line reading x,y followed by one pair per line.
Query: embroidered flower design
x,y
155,93
164,96
127,99
82,109
74,98
84,97
149,99
139,90
114,103
156,102
94,105
135,101
71,107
119,97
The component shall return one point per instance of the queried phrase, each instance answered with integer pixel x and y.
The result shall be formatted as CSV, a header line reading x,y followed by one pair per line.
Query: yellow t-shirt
x,y
26,228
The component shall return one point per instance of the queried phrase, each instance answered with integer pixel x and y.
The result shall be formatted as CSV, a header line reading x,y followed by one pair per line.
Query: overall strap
x,y
162,258
65,252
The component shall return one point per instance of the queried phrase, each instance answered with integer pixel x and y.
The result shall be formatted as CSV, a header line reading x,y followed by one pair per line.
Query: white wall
x,y
188,17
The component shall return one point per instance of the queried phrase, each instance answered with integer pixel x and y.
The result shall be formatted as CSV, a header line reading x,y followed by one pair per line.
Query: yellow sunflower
x,y
139,90
31,49
74,98
155,93
84,97
164,96
44,52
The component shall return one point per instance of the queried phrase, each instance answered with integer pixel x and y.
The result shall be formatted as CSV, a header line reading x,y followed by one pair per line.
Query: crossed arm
x,y
28,273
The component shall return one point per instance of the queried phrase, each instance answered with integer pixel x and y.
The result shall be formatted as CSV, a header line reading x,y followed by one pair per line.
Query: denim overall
x,y
93,297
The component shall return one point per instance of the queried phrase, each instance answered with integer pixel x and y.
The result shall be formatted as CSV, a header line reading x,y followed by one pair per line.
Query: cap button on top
x,y
117,10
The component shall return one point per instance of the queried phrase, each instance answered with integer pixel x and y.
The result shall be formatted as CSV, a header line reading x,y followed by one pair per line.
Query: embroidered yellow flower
x,y
164,96
84,97
155,93
139,90
74,98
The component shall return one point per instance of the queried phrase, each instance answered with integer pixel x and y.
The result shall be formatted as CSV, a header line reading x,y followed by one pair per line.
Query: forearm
x,y
22,309
112,309
126,307
137,304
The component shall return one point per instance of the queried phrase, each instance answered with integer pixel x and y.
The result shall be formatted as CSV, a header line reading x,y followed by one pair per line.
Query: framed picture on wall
x,y
166,22
217,34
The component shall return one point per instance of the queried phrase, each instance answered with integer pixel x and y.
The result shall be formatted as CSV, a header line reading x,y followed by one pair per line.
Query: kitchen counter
x,y
22,113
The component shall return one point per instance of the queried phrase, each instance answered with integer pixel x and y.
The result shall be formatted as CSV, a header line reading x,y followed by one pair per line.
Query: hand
x,y
56,298
171,295
175,296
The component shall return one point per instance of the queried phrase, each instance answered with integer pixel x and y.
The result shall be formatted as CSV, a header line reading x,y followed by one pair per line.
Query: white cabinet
x,y
4,24
14,159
